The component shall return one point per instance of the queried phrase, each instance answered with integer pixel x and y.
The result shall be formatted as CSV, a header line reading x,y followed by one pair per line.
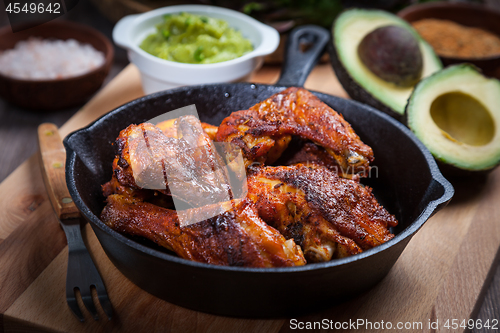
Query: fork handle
x,y
72,229
53,160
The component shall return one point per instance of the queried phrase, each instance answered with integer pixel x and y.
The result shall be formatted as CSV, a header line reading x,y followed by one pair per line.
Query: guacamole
x,y
195,39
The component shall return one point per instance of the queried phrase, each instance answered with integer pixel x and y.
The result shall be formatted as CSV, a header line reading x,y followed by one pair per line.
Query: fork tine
x,y
86,294
73,305
102,295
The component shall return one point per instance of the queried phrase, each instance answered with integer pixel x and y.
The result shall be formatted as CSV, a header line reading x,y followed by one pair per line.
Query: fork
x,y
82,275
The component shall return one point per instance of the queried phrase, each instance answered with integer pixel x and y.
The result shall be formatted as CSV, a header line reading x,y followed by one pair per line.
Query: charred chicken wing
x,y
328,216
264,131
237,237
188,167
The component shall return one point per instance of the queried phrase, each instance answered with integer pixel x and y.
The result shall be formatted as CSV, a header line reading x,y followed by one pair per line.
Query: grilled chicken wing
x,y
264,131
329,216
187,167
237,237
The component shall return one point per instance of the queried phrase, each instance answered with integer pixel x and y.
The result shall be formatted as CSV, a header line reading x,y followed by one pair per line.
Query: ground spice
x,y
451,39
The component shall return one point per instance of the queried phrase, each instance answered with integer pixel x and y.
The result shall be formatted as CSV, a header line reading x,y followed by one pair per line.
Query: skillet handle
x,y
437,196
298,63
443,192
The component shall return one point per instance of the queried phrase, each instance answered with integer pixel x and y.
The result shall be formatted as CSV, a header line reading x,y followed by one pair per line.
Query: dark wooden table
x,y
18,136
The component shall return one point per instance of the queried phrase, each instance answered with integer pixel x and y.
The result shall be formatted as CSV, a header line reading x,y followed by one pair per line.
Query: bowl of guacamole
x,y
196,39
194,44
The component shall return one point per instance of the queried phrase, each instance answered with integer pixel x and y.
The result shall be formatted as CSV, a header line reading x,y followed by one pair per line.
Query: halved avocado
x,y
456,114
349,29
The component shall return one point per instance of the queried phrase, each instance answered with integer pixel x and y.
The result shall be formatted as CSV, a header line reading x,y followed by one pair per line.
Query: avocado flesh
x,y
463,118
348,31
456,114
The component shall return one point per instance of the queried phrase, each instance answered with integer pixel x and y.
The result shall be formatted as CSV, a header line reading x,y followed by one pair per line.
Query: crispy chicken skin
x,y
237,237
264,131
146,157
328,216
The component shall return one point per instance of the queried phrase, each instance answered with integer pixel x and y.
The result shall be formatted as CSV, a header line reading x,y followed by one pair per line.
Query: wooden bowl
x,y
56,93
472,15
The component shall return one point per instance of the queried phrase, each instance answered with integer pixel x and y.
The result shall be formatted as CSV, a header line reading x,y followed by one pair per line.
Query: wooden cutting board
x,y
439,276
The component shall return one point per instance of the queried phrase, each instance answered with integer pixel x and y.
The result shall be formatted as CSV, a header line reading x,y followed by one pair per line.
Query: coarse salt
x,y
48,59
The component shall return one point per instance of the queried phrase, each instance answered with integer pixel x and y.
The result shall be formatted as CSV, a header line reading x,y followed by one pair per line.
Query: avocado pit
x,y
463,119
393,54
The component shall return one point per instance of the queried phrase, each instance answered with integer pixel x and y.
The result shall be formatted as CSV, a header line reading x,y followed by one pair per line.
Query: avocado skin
x,y
451,170
353,89
447,169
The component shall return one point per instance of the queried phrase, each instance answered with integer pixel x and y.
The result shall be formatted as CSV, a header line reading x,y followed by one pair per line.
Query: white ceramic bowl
x,y
159,74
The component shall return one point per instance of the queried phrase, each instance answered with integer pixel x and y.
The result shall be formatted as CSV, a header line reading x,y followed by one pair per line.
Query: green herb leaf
x,y
251,7
198,54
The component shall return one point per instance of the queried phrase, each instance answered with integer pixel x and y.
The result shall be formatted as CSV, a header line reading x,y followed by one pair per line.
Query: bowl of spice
x,y
459,32
194,44
54,65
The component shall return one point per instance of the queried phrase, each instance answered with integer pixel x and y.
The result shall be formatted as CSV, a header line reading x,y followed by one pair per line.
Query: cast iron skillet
x,y
408,184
